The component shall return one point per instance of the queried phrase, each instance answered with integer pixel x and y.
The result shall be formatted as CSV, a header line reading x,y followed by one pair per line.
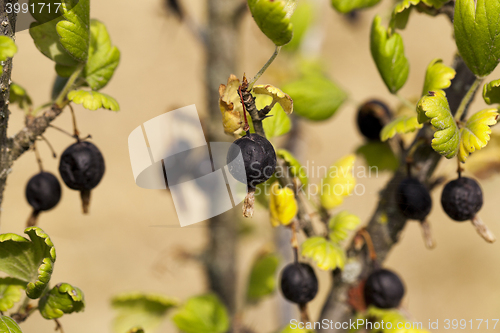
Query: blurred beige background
x,y
115,249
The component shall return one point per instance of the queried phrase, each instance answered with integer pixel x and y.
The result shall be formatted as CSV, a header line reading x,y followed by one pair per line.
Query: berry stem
x,y
75,128
426,232
468,98
54,154
483,230
246,128
38,158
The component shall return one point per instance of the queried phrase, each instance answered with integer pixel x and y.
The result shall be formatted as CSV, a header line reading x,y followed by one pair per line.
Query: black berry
x,y
413,199
462,198
384,289
81,168
259,159
372,116
43,192
299,283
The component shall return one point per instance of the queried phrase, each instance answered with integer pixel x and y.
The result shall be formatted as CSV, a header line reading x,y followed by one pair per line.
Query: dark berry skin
x,y
299,283
81,166
413,199
259,159
384,289
462,198
371,118
43,191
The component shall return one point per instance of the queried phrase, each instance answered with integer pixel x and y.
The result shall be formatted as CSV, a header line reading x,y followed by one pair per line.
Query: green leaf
x,y
401,125
341,225
60,300
74,31
301,20
103,57
435,107
273,19
29,261
476,133
8,325
278,123
140,310
18,95
378,155
477,34
388,54
262,277
296,169
47,42
346,6
7,49
491,92
401,13
315,97
10,292
202,314
438,76
326,254
93,100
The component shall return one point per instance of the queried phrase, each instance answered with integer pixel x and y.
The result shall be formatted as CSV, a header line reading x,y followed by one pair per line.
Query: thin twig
x,y
38,158
468,98
75,128
59,326
264,68
54,154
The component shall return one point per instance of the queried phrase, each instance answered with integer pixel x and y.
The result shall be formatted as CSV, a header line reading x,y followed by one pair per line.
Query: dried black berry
x,y
43,192
299,283
384,289
372,116
462,198
259,159
81,168
413,199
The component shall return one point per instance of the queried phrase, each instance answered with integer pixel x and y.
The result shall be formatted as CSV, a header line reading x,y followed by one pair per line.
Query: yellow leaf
x,y
278,96
325,253
230,106
476,133
338,183
282,205
341,224
401,125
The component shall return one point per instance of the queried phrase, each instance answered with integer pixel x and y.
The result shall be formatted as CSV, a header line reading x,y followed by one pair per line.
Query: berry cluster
x,y
81,167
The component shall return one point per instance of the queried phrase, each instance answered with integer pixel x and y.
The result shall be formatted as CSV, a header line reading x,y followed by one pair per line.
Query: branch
x,y
386,235
7,28
35,127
